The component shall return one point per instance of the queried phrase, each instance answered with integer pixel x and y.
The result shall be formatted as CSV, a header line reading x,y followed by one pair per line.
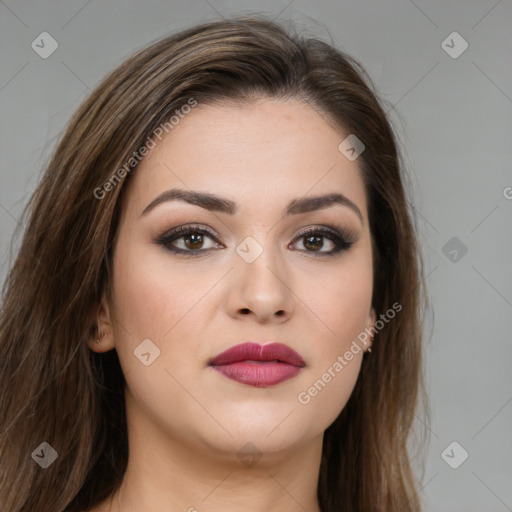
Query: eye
x,y
192,240
313,241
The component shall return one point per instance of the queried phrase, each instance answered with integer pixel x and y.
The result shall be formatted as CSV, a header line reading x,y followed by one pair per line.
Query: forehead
x,y
266,152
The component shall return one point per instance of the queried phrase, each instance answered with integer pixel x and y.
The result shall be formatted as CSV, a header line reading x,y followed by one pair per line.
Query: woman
x,y
216,301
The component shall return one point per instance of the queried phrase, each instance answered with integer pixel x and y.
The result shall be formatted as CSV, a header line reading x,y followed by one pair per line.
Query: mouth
x,y
258,365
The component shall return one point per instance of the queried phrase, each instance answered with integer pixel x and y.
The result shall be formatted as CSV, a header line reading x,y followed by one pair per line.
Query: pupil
x,y
196,241
318,245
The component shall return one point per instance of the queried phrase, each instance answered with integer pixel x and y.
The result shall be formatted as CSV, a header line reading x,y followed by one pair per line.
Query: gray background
x,y
454,118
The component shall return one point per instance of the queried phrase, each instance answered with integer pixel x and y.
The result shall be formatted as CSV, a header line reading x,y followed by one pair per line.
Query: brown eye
x,y
188,240
193,240
313,241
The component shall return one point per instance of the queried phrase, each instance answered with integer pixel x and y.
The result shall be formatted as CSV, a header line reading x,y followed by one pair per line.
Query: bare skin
x,y
187,422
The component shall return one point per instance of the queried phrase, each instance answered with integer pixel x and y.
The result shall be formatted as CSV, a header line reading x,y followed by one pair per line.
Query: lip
x,y
258,365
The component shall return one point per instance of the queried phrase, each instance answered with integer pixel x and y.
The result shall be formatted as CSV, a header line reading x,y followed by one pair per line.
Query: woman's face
x,y
180,300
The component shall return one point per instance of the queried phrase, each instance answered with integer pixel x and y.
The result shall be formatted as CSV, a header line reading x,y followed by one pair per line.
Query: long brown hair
x,y
54,389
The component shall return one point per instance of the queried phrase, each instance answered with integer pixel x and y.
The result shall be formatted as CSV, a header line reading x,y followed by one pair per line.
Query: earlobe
x,y
102,334
370,327
372,318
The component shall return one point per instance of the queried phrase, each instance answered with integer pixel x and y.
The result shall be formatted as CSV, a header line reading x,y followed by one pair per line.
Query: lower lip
x,y
260,375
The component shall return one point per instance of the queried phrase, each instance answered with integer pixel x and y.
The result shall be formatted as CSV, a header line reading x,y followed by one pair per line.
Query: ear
x,y
370,325
102,329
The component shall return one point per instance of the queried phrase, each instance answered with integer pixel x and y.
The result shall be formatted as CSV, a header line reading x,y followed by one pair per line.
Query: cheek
x,y
153,295
351,303
157,300
343,305
341,300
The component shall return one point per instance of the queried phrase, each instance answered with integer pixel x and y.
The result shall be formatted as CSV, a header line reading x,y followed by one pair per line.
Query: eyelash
x,y
342,241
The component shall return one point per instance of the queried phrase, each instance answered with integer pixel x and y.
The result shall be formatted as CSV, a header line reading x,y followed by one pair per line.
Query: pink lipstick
x,y
258,365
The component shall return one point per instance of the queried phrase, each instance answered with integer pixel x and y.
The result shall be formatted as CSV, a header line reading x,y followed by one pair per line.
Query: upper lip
x,y
256,352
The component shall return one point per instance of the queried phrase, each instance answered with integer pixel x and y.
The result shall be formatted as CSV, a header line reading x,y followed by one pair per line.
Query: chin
x,y
274,430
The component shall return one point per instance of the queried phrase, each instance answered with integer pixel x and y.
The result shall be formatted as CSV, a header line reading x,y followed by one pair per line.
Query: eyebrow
x,y
215,203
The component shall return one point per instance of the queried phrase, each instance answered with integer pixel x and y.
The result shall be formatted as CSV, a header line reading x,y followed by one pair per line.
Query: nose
x,y
261,290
